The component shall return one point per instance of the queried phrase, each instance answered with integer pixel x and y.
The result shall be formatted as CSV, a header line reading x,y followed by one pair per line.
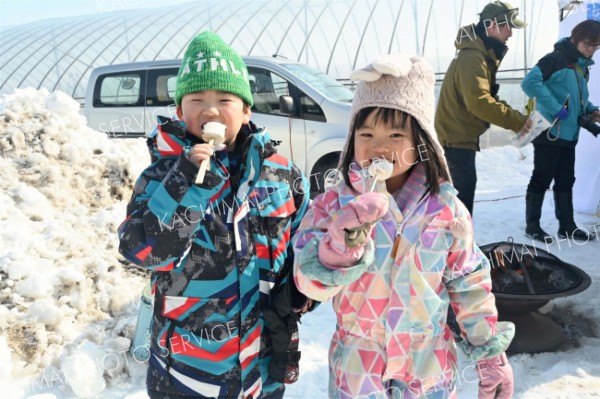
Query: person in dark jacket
x,y
216,248
469,101
557,76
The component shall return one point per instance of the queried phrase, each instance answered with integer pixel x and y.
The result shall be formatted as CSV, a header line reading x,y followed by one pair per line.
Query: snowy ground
x,y
68,303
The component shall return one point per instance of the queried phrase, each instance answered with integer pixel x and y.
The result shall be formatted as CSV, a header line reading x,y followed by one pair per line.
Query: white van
x,y
304,109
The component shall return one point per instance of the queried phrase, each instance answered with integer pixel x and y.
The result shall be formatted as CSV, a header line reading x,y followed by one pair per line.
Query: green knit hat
x,y
210,64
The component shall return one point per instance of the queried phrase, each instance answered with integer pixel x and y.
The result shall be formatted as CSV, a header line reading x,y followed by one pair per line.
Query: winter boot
x,y
533,213
563,208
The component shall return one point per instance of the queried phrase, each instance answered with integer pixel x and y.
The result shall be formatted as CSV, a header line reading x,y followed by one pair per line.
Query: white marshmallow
x,y
214,131
381,169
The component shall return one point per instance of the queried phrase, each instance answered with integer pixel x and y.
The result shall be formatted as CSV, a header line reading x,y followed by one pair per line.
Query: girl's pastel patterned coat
x,y
392,338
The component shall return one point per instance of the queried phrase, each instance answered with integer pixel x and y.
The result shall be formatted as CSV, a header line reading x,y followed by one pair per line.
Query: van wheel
x,y
319,173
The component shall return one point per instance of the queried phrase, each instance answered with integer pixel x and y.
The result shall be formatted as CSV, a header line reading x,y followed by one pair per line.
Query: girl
x,y
393,260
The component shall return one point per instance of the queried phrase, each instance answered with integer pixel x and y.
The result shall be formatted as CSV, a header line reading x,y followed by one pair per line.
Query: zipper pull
x,y
396,240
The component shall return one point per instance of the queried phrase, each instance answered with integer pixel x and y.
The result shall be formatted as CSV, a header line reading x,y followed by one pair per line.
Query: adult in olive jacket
x,y
468,100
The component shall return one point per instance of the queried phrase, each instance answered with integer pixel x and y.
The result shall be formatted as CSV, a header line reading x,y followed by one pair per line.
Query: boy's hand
x,y
200,152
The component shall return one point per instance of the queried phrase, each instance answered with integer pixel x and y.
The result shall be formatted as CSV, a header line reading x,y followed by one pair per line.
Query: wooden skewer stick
x,y
203,166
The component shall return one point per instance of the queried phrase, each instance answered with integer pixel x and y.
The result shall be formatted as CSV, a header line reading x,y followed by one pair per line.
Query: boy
x,y
215,248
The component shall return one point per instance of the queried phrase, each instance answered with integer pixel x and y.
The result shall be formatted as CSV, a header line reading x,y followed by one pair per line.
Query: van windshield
x,y
324,83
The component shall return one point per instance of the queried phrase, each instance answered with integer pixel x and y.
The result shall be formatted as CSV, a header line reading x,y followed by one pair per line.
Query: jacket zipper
x,y
396,240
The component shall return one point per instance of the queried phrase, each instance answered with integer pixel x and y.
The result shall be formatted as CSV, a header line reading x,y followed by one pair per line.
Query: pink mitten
x,y
350,228
495,378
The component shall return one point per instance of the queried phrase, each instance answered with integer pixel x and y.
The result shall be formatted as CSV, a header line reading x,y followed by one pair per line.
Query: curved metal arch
x,y
338,36
158,32
311,48
243,25
290,27
417,44
26,59
183,48
118,17
32,40
91,64
395,26
244,4
53,47
312,29
462,10
364,32
533,36
426,28
129,41
67,53
169,40
265,27
354,23
177,31
30,35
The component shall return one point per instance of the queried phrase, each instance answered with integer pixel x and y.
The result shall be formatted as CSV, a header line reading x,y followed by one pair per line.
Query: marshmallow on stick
x,y
381,169
213,133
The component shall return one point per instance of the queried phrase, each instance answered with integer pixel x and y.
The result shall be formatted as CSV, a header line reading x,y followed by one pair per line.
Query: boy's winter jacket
x,y
468,100
392,306
216,250
561,73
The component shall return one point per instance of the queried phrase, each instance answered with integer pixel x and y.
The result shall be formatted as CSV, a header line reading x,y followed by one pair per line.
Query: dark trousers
x,y
461,162
552,163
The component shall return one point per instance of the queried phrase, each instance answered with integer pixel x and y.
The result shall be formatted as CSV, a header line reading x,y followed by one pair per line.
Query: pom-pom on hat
x,y
210,64
398,81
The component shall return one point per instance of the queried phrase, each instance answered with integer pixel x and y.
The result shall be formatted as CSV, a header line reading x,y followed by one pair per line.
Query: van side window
x,y
119,90
310,109
161,87
266,88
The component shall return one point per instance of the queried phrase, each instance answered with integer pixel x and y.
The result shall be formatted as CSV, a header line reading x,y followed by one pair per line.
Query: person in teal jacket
x,y
560,78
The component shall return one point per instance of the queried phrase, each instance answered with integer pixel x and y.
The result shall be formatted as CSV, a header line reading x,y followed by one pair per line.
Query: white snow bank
x,y
63,288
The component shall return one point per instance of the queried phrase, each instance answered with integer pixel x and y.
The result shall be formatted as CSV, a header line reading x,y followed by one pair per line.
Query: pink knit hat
x,y
400,82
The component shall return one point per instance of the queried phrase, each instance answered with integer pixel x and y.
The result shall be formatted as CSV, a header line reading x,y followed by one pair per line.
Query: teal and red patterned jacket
x,y
216,250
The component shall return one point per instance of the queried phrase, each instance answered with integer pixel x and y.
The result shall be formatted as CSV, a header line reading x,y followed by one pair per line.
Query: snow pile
x,y
66,300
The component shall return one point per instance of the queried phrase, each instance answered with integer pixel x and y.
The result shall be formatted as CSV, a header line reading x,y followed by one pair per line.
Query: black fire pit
x,y
525,278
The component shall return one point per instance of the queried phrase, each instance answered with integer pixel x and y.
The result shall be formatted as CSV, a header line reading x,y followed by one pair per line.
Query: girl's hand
x,y
350,228
200,152
354,222
495,378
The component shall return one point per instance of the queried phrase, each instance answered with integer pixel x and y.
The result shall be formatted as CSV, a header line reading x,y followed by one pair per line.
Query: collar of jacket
x,y
569,50
490,43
